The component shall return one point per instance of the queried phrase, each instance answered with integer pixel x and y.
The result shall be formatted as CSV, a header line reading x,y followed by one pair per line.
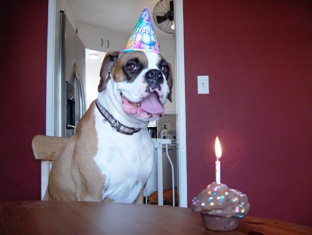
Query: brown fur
x,y
74,186
109,66
109,60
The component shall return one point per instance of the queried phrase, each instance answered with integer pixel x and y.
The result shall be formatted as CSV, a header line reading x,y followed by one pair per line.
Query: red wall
x,y
258,55
22,91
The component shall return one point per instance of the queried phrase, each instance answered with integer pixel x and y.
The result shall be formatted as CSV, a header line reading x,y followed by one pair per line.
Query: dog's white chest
x,y
125,160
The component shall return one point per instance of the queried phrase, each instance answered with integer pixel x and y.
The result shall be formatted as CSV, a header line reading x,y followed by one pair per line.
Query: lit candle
x,y
218,152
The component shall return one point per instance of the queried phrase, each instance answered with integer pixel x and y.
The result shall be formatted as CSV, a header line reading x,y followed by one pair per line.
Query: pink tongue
x,y
152,105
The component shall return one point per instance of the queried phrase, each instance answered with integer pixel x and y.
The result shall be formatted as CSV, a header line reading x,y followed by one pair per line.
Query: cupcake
x,y
221,208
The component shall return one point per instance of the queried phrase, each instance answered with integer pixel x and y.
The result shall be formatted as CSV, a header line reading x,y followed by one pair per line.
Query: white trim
x,y
181,118
50,88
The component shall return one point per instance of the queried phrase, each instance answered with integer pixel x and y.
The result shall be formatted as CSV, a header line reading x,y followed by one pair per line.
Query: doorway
x,y
52,121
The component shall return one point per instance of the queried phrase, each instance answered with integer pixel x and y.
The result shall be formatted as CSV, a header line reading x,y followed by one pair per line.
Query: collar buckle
x,y
116,125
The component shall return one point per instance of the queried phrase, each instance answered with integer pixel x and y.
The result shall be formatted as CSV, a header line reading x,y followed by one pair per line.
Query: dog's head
x,y
142,82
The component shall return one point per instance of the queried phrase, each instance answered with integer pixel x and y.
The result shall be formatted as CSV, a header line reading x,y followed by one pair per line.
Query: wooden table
x,y
42,217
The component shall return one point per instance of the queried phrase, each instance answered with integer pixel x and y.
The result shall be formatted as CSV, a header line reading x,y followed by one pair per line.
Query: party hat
x,y
143,36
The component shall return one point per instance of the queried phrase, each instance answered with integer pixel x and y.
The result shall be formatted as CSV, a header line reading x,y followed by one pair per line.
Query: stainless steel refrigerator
x,y
73,78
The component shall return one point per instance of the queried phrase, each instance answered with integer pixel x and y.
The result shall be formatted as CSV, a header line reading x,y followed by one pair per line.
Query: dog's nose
x,y
154,78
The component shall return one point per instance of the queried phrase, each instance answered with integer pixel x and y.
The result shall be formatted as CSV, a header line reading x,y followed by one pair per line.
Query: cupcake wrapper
x,y
216,223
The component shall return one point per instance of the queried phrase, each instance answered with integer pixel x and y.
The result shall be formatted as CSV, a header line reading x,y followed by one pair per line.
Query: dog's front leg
x,y
83,194
89,187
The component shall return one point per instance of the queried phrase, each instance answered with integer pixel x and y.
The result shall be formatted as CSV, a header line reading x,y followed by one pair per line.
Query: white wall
x,y
93,67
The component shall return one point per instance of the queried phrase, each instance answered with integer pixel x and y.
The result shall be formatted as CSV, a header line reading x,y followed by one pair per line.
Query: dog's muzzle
x,y
150,107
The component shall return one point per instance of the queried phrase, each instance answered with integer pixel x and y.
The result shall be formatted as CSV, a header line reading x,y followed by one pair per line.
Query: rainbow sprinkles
x,y
219,200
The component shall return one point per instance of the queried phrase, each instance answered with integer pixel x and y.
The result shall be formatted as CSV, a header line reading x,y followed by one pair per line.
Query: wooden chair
x,y
47,147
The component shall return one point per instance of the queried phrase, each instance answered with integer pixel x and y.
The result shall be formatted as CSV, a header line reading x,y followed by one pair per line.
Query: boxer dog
x,y
110,156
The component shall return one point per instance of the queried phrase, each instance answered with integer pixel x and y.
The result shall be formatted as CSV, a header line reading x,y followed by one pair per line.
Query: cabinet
x,y
101,39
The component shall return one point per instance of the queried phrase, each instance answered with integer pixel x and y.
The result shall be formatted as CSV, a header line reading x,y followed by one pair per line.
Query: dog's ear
x,y
170,83
108,62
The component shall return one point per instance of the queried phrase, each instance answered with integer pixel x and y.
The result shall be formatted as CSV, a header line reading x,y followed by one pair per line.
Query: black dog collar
x,y
114,123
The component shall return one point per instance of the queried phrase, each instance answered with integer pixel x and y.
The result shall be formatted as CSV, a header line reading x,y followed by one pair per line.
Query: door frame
x,y
53,101
180,97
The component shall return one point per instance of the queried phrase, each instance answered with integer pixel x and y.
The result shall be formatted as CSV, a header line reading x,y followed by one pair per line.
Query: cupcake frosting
x,y
219,200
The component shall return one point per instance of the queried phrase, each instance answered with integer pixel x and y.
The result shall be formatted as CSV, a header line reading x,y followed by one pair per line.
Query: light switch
x,y
203,84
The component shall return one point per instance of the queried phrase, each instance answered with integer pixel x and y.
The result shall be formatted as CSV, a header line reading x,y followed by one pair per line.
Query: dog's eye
x,y
131,66
165,69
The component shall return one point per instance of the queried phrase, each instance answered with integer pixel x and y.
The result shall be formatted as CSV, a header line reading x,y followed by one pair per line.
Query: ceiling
x,y
117,15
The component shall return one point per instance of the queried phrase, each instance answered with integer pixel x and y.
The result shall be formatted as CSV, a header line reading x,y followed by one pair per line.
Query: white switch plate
x,y
203,84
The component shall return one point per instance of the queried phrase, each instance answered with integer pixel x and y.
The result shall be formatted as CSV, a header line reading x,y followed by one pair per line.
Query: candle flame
x,y
218,149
